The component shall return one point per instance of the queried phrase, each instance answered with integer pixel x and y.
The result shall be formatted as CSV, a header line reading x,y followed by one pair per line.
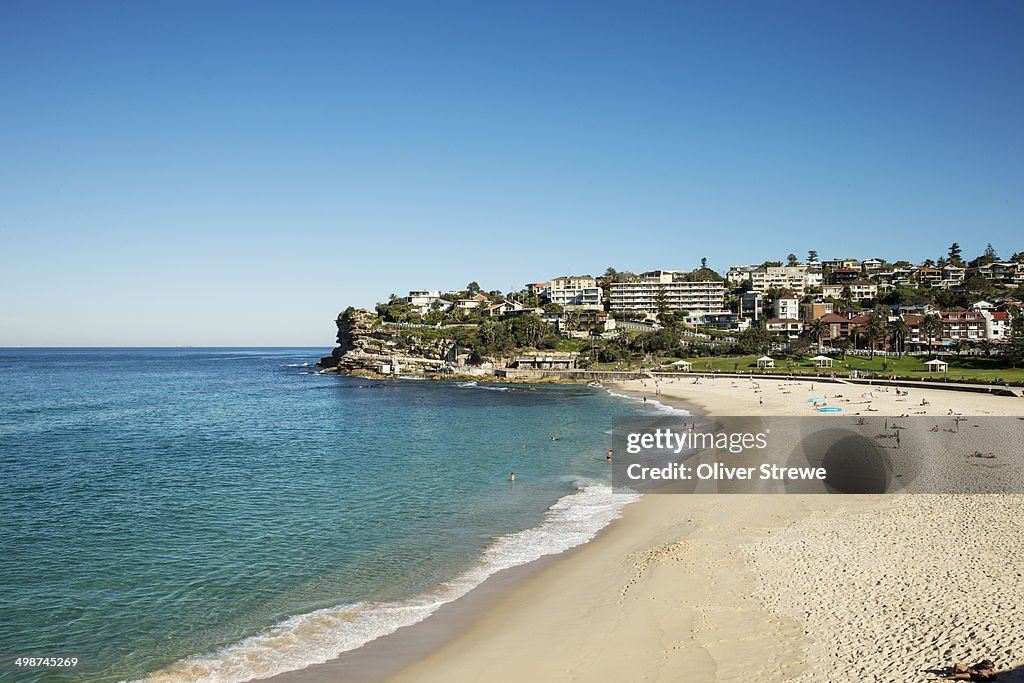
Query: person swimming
x,y
512,477
609,456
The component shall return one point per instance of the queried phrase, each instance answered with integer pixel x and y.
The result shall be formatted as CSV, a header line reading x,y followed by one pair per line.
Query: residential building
x,y
537,289
794,278
423,299
841,276
997,325
501,309
471,303
752,305
815,310
860,290
833,264
791,327
647,291
962,326
719,321
575,291
738,275
842,326
787,306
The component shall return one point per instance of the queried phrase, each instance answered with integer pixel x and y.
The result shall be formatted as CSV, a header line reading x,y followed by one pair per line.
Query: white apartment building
x,y
787,308
737,275
574,291
795,278
860,290
423,299
643,293
997,325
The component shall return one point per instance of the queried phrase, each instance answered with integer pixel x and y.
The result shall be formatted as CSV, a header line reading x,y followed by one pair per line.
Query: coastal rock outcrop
x,y
368,344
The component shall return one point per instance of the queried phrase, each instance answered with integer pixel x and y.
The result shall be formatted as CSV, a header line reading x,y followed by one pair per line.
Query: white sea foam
x,y
653,403
472,384
322,635
297,365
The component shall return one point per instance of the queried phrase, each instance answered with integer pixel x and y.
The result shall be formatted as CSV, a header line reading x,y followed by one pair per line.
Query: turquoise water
x,y
179,512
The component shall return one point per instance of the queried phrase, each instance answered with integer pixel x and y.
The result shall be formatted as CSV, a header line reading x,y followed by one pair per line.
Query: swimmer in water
x,y
609,456
512,477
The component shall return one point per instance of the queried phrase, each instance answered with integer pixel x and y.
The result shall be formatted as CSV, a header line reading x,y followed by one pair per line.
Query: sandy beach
x,y
762,587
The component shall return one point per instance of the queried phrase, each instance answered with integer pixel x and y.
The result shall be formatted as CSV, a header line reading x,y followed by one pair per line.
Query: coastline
x,y
711,587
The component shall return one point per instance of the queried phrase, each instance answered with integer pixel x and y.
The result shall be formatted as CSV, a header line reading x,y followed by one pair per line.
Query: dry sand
x,y
765,587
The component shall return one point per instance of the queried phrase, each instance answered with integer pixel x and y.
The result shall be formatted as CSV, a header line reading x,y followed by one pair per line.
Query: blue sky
x,y
237,173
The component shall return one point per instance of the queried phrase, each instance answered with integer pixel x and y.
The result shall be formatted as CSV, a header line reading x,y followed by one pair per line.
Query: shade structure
x,y
765,362
936,365
822,362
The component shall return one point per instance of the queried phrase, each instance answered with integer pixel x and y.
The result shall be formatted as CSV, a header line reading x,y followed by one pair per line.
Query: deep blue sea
x,y
176,514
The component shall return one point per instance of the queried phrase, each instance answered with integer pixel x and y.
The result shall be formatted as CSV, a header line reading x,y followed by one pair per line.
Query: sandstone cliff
x,y
367,344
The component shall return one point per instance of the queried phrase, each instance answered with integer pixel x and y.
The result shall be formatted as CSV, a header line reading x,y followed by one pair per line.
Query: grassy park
x,y
961,368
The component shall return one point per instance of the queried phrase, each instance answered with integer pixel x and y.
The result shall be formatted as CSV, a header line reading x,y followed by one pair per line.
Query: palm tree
x,y
818,329
899,331
873,329
571,320
932,327
986,345
855,334
844,345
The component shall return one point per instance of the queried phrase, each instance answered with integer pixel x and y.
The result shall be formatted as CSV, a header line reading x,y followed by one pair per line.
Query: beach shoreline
x,y
709,586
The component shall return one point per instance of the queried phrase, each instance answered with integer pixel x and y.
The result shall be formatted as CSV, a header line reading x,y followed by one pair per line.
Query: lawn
x,y
912,367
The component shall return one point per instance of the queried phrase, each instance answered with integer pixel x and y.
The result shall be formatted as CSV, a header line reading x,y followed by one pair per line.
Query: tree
x,y
527,330
473,288
955,255
900,332
986,346
792,260
571,321
661,302
818,329
847,295
703,262
874,329
812,256
845,344
755,339
1015,352
990,254
932,327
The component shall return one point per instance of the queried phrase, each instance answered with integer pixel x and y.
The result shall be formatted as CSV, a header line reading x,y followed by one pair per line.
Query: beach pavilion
x,y
765,362
683,365
936,365
822,362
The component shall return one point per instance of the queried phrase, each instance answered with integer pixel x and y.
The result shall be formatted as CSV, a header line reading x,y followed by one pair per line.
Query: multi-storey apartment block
x,y
645,292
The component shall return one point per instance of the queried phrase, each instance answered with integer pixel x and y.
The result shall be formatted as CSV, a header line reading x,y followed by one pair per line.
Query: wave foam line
x,y
474,385
319,636
653,403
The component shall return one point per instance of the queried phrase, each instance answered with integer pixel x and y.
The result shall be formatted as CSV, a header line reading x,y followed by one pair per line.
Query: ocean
x,y
174,514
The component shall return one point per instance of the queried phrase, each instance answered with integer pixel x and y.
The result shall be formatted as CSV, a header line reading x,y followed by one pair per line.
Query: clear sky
x,y
238,172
